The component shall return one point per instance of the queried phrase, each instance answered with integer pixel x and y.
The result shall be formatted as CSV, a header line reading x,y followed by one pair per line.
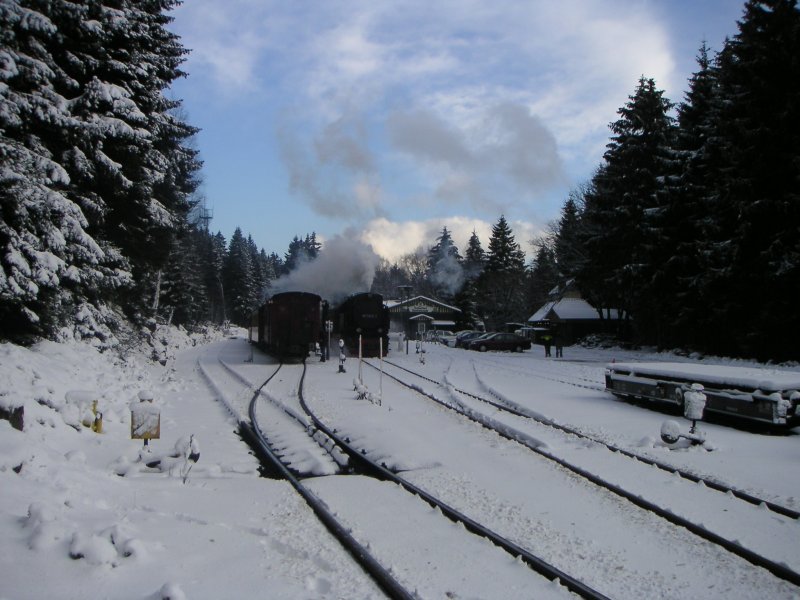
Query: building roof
x,y
566,309
420,300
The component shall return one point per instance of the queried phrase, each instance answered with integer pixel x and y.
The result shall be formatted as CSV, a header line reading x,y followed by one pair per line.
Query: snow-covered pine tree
x,y
214,252
184,296
97,178
261,278
140,168
54,272
240,290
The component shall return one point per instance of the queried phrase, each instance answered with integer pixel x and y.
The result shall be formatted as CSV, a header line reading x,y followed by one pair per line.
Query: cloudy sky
x,y
384,121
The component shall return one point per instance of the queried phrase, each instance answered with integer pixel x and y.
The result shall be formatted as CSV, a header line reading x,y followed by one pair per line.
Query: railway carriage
x,y
289,324
366,315
762,395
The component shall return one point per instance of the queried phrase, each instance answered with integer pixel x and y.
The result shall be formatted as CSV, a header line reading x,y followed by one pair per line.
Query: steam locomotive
x,y
364,316
291,324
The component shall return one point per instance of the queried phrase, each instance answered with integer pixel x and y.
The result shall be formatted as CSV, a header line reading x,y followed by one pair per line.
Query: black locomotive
x,y
362,315
289,324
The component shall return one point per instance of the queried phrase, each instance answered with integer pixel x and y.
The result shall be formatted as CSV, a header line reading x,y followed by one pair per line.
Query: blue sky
x,y
384,121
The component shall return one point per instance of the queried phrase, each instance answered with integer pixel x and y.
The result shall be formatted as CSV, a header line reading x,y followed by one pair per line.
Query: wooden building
x,y
419,314
570,316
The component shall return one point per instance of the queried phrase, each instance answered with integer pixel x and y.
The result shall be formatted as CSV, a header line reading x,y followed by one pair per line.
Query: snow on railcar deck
x,y
753,378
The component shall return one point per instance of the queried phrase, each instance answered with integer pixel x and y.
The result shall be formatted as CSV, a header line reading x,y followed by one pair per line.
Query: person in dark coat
x,y
558,339
547,340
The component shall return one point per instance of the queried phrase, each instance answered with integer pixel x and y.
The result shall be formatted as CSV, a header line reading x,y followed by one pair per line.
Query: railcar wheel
x,y
679,397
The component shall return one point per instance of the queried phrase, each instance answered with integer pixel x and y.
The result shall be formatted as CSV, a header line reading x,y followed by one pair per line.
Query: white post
x,y
360,358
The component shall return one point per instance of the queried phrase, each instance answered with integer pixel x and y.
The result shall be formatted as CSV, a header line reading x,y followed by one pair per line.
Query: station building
x,y
415,316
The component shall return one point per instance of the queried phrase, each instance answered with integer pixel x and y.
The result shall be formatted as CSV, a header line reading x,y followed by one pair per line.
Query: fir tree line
x,y
213,281
689,228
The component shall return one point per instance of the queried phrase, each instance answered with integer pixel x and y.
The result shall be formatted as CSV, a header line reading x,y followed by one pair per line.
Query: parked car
x,y
465,336
448,338
500,341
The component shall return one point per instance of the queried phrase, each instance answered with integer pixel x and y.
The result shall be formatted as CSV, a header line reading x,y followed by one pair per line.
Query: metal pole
x,y
360,359
407,319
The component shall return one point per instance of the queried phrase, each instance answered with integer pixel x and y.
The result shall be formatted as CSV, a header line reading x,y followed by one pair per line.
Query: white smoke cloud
x,y
448,274
334,171
344,266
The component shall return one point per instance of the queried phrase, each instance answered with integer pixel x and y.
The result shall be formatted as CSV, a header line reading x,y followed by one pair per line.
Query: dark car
x,y
463,338
500,341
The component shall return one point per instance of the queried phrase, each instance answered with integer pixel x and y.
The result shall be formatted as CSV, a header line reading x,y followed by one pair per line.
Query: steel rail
x,y
381,472
780,570
371,566
710,483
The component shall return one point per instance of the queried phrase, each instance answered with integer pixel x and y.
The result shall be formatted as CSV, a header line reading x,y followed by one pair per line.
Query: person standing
x,y
547,340
559,342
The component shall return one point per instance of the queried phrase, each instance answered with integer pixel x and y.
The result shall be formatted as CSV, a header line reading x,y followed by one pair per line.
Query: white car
x,y
447,338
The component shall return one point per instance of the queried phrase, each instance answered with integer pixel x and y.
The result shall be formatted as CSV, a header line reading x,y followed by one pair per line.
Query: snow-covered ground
x,y
81,516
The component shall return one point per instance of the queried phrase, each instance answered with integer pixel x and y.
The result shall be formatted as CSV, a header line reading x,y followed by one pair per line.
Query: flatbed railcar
x,y
366,315
289,324
754,394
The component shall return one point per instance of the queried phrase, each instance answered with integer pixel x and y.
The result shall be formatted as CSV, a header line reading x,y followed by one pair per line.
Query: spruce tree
x,y
474,257
757,139
543,277
623,230
52,268
184,297
568,254
503,282
214,256
468,299
98,176
240,291
692,221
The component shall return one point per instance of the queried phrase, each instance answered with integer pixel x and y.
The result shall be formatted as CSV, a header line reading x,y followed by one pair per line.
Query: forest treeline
x,y
689,228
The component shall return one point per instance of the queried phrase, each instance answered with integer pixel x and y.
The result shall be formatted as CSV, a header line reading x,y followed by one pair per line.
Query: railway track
x,y
317,493
467,531
636,492
368,548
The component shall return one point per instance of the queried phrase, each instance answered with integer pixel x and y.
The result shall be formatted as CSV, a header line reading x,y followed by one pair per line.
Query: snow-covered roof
x,y
565,309
541,314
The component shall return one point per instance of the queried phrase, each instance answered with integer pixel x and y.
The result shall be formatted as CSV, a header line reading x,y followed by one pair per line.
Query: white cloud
x,y
393,239
413,110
